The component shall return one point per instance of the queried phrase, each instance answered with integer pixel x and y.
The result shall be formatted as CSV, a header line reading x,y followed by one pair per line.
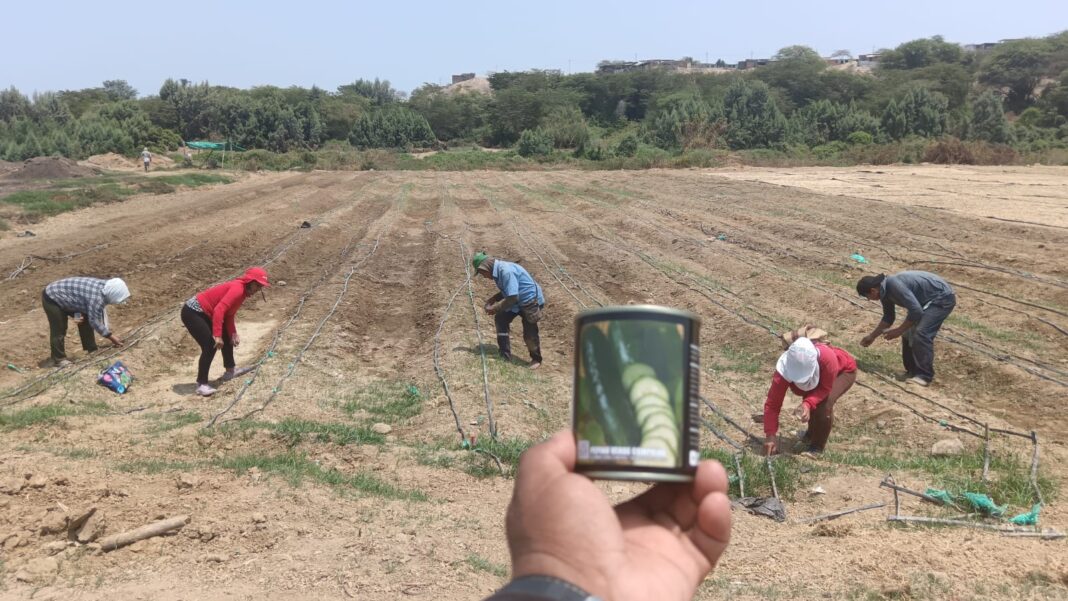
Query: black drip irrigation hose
x,y
295,361
278,333
481,349
437,363
546,265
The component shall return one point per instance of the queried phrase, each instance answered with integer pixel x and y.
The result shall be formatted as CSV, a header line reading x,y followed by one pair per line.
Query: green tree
x,y
379,92
753,118
118,90
13,104
796,71
534,143
1017,66
394,127
921,53
988,120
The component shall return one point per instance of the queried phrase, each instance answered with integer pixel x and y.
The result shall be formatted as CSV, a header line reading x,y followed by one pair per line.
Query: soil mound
x,y
479,85
110,160
48,168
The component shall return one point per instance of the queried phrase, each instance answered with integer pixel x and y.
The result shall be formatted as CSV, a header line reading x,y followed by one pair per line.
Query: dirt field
x,y
337,470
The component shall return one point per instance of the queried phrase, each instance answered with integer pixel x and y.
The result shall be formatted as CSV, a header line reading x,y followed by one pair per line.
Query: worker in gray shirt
x,y
928,299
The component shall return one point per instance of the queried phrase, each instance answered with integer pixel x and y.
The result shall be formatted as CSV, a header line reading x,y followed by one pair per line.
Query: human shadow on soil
x,y
492,353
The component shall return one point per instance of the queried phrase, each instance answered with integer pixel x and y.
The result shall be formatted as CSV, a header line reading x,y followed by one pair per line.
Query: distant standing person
x,y
146,158
519,295
85,300
210,318
928,299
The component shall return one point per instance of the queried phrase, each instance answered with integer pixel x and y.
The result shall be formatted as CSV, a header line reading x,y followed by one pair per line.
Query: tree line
x,y
1015,94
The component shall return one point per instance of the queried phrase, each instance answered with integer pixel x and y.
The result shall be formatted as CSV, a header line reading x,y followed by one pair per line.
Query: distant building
x,y
753,63
838,60
462,77
983,47
685,64
869,59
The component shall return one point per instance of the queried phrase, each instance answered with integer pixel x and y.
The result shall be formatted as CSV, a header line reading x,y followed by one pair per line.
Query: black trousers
x,y
503,321
199,326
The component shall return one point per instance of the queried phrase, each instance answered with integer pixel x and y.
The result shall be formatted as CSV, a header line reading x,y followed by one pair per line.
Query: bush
x,y
627,146
534,143
392,128
948,151
859,137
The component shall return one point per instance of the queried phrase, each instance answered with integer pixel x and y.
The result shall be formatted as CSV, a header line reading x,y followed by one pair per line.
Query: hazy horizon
x,y
72,45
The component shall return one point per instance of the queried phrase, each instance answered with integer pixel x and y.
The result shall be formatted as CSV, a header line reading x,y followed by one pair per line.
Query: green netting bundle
x,y
1027,519
941,495
985,504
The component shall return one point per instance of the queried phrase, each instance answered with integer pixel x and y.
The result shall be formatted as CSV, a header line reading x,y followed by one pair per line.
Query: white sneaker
x,y
917,380
205,390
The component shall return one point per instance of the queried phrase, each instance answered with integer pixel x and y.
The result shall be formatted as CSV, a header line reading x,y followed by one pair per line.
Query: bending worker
x,y
210,318
820,374
85,300
928,299
519,295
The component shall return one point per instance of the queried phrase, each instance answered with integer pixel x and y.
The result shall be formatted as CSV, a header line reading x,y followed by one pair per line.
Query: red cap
x,y
256,274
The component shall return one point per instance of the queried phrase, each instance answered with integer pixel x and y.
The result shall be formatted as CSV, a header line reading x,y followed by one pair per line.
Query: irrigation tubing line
x,y
481,348
311,339
749,435
720,435
546,265
437,362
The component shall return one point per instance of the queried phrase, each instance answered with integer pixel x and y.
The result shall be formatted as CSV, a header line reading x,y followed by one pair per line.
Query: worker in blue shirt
x,y
519,295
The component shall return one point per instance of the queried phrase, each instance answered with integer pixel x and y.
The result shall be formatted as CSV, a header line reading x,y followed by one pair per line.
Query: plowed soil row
x,y
337,469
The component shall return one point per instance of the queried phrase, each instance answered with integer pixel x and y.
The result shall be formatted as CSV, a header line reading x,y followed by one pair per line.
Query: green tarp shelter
x,y
214,145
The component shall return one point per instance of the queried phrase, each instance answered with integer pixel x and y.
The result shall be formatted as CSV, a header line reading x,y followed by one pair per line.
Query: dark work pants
x,y
503,320
821,420
917,345
199,326
57,329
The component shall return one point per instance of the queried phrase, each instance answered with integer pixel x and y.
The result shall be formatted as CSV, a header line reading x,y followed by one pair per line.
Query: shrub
x,y
534,143
627,146
948,151
859,137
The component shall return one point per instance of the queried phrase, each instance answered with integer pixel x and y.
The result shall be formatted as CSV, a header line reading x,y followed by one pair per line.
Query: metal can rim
x,y
642,309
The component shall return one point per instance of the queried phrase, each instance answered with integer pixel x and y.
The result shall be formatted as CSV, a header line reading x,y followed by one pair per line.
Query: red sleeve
x,y
222,315
773,404
828,362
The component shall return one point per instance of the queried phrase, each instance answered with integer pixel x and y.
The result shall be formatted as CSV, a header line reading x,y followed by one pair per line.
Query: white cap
x,y
800,364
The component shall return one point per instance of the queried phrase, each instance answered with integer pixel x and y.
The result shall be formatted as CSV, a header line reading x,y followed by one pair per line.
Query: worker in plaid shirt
x,y
85,300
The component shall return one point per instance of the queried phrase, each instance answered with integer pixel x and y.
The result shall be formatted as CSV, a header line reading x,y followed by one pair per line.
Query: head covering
x,y
255,274
806,331
115,291
868,282
800,365
479,258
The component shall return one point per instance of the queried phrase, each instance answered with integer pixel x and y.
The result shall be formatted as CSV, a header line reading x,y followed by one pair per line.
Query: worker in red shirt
x,y
209,317
818,373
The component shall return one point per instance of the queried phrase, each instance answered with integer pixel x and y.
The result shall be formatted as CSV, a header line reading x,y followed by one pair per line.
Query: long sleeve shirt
x,y
221,304
913,291
832,361
82,295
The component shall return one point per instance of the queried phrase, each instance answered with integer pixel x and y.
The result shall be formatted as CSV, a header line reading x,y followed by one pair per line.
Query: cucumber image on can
x,y
635,406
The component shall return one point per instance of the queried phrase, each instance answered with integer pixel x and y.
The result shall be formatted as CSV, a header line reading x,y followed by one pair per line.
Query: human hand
x,y
659,545
218,342
866,341
803,413
116,340
235,339
771,447
892,334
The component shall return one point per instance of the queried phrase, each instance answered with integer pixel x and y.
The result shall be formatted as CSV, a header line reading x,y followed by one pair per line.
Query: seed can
x,y
636,409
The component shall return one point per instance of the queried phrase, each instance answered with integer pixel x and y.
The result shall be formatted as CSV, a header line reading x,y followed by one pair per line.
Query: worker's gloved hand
x,y
659,545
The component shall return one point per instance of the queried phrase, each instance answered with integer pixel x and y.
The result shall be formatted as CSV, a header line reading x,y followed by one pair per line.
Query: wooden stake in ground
x,y
1034,468
986,453
116,541
838,514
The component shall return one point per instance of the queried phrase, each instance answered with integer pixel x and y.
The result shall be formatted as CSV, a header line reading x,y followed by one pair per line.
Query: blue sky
x,y
66,44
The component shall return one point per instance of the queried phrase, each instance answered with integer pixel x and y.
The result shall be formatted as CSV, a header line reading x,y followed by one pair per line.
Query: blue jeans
x,y
917,345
